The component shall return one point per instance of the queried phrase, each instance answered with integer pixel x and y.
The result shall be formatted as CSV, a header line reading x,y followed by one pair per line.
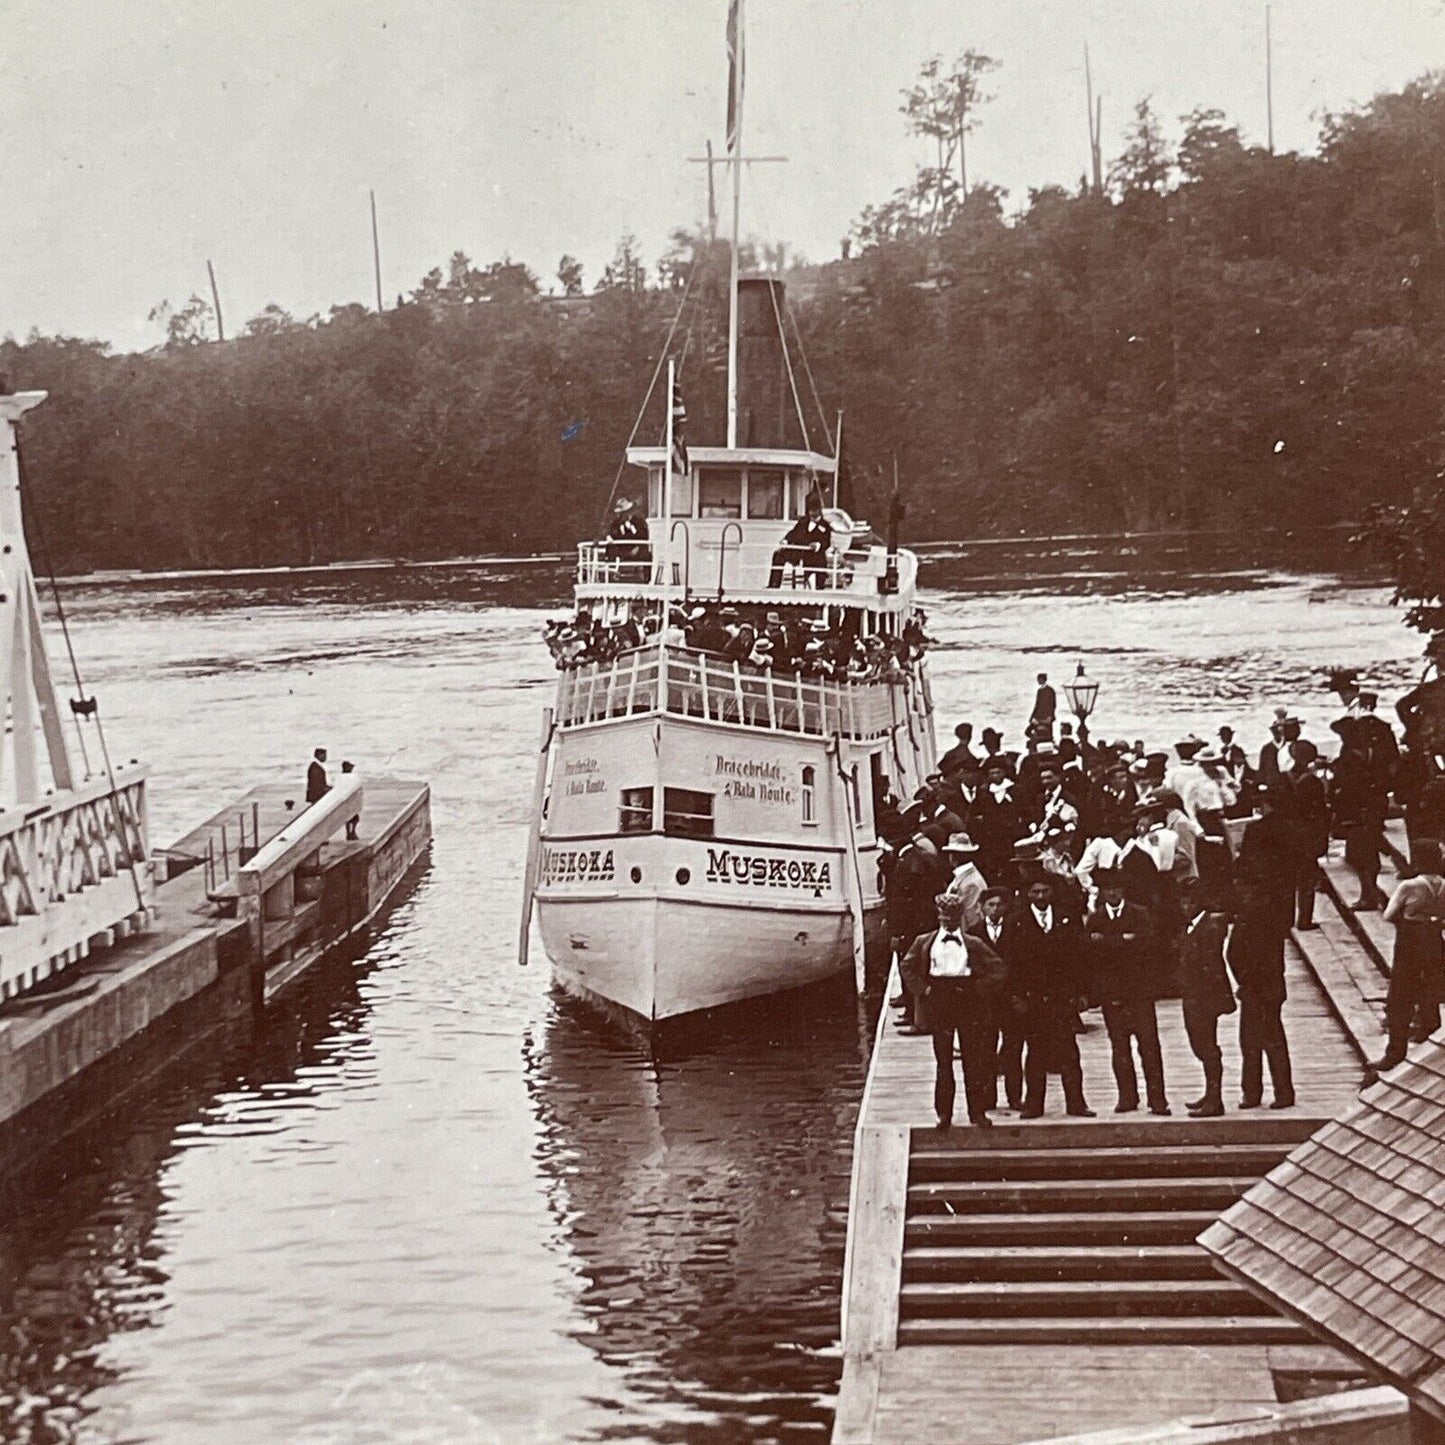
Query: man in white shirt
x,y
963,981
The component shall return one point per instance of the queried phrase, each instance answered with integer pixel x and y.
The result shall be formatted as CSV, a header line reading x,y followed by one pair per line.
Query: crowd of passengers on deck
x,y
815,645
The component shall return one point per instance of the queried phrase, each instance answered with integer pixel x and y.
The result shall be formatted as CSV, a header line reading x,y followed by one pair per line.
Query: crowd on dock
x,y
1024,889
795,640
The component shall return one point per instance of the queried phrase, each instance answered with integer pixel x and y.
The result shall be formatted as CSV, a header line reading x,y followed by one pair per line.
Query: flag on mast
x,y
678,461
735,72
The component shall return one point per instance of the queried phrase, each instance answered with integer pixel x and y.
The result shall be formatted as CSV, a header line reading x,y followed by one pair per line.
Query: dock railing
x,y
699,685
74,869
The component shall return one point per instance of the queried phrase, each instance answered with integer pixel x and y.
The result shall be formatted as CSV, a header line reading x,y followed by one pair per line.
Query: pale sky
x,y
142,137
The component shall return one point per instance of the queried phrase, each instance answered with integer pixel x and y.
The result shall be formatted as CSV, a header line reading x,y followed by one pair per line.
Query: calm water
x,y
435,1203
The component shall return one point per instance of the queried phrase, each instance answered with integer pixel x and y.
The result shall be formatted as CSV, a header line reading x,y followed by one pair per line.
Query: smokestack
x,y
766,415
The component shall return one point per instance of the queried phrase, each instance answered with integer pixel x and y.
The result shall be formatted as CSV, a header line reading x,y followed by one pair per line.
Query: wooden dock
x,y
1040,1279
222,940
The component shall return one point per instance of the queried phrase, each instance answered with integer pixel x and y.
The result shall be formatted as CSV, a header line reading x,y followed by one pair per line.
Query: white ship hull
x,y
660,959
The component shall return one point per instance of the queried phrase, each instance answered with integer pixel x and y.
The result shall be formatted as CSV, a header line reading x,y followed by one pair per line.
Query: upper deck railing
x,y
698,685
713,566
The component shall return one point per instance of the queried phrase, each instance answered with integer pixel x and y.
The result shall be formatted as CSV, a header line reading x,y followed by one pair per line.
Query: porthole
x,y
636,875
684,876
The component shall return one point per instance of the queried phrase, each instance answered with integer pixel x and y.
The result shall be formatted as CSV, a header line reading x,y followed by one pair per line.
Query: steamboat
x,y
742,691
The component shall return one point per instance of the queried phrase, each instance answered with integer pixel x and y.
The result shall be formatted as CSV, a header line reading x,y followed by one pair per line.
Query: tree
x,y
270,320
1208,143
569,274
942,106
1144,166
188,326
1412,538
626,271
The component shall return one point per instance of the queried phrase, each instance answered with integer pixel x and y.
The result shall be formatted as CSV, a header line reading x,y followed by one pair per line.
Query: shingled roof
x,y
1348,1233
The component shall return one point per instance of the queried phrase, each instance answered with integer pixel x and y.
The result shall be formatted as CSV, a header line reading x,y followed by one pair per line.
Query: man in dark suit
x,y
1046,703
958,757
1358,807
316,785
917,875
627,541
1311,808
1256,958
962,980
805,545
1205,993
1269,852
1126,982
997,824
992,932
1044,946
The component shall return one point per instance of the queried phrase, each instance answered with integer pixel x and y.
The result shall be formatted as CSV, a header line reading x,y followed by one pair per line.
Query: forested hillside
x,y
1212,337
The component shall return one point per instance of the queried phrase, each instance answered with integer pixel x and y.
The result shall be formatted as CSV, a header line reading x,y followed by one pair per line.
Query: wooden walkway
x,y
969,1394
1327,1075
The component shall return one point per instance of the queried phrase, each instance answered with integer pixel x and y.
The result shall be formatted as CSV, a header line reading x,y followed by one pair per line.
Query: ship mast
x,y
735,153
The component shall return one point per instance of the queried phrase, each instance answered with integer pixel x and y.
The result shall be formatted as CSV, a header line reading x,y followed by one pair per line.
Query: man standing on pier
x,y
1205,994
1043,945
1127,983
962,979
316,785
1256,958
1041,719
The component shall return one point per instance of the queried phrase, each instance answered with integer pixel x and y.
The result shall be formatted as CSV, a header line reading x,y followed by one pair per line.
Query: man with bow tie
x,y
963,979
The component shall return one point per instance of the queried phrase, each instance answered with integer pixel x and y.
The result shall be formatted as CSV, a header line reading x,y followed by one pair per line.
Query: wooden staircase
x,y
1063,1234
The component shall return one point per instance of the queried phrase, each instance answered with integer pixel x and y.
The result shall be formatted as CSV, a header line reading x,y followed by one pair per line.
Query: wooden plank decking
x,y
1327,1074
968,1394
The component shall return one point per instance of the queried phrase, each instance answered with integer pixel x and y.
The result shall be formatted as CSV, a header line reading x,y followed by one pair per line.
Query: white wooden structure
x,y
75,867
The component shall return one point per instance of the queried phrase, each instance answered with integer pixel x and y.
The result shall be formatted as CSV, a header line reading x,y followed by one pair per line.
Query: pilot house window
x,y
720,494
686,814
636,810
765,495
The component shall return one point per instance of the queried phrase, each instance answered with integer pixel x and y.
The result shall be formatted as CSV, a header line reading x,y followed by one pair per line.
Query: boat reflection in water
x,y
82,1234
702,1196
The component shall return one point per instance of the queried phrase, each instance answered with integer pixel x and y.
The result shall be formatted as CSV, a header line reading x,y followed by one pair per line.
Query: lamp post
x,y
1082,693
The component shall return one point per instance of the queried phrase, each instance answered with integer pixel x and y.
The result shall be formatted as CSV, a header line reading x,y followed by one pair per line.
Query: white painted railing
x,y
691,684
266,883
705,565
73,869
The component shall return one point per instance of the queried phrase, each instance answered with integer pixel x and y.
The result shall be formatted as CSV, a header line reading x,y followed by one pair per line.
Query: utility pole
x,y
1096,126
1268,80
376,255
216,302
711,199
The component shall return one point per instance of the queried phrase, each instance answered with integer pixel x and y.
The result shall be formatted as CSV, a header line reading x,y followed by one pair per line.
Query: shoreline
x,y
923,549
